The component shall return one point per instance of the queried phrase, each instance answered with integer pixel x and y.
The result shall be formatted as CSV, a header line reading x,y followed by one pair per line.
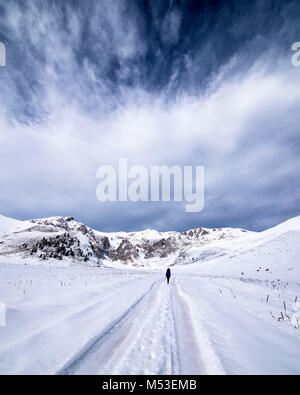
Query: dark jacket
x,y
168,273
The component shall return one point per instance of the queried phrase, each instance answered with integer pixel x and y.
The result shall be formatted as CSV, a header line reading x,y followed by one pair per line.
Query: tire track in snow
x,y
197,354
142,342
90,308
101,340
150,348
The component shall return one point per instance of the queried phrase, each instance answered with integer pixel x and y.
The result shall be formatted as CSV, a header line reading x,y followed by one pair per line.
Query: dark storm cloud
x,y
160,82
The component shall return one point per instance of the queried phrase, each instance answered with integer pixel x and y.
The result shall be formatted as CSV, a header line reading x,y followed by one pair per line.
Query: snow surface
x,y
234,310
9,225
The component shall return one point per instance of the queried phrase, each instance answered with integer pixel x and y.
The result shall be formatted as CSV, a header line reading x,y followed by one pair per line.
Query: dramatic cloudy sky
x,y
160,82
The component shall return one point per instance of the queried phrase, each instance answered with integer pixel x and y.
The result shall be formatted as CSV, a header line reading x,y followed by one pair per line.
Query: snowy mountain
x,y
58,239
65,241
51,239
269,255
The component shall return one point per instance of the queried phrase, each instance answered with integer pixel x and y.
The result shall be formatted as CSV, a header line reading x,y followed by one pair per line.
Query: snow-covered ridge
x,y
65,240
9,225
269,255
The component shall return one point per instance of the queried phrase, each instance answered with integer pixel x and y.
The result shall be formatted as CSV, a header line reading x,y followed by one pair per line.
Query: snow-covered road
x,y
156,335
78,320
141,341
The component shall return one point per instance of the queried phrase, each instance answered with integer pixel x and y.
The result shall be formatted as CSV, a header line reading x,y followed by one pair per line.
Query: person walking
x,y
168,275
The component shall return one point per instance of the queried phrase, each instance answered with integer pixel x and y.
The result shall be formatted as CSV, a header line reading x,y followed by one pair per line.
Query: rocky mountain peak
x,y
66,239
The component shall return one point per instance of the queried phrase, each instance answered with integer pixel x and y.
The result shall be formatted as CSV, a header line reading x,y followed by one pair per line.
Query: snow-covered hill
x,y
272,254
53,240
9,225
269,255
65,240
